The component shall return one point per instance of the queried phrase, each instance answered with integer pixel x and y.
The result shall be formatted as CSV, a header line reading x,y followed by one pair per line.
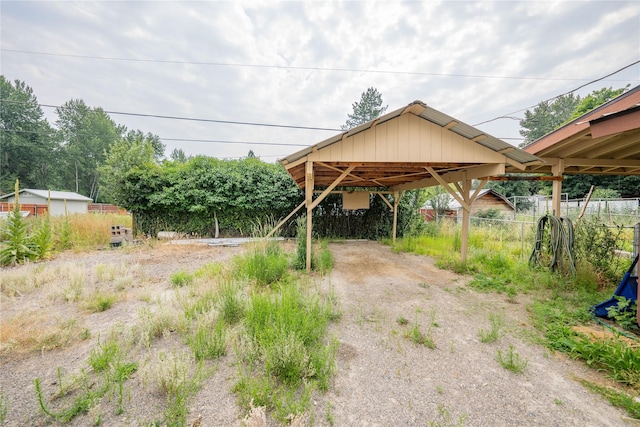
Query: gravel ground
x,y
382,379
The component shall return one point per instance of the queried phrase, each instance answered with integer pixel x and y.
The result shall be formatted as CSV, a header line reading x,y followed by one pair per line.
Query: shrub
x,y
16,247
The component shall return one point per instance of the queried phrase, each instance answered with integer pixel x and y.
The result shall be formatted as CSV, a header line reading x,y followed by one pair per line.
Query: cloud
x,y
560,45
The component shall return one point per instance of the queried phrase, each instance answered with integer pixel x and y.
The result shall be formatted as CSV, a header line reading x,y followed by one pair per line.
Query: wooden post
x,y
556,194
308,189
395,214
17,190
466,214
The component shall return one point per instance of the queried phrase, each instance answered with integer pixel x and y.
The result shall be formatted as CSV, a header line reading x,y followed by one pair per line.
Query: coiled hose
x,y
557,243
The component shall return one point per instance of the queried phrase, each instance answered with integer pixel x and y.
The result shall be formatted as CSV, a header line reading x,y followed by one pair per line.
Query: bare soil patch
x,y
382,377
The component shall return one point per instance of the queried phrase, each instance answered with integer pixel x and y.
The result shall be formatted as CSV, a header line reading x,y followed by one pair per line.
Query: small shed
x,y
486,199
62,202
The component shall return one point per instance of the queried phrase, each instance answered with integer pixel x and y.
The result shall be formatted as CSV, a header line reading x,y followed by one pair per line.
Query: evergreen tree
x,y
369,108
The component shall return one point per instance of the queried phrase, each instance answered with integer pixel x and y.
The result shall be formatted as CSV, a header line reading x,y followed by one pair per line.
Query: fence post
x,y
522,239
636,244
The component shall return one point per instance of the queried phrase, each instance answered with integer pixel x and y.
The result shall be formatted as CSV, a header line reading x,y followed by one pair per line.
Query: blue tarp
x,y
627,288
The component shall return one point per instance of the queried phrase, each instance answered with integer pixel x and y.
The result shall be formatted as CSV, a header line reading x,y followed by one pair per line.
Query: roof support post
x,y
466,214
396,201
556,194
308,190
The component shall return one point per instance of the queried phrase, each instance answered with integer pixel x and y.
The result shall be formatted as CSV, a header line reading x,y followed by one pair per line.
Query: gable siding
x,y
407,138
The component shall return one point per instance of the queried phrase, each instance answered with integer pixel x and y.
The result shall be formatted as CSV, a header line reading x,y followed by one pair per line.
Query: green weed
x,y
15,245
614,356
98,302
181,278
209,341
494,332
624,313
445,419
178,377
512,361
283,353
616,398
4,406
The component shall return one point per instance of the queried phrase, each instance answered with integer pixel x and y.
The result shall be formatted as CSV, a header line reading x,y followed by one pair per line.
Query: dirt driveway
x,y
383,378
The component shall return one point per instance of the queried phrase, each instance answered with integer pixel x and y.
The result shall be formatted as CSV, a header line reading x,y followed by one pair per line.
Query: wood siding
x,y
408,138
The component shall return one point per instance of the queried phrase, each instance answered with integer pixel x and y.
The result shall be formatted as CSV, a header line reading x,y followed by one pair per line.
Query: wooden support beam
x,y
324,165
556,190
477,192
281,223
333,185
396,201
466,214
473,172
445,184
522,178
384,199
308,189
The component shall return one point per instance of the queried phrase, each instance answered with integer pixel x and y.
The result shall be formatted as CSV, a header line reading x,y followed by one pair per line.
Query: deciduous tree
x,y
28,148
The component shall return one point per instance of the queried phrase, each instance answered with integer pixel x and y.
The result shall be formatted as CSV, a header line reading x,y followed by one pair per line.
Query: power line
x,y
279,144
234,142
508,115
193,119
286,67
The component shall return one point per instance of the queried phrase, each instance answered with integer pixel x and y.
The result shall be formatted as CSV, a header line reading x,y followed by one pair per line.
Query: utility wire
x,y
281,144
286,67
508,115
193,119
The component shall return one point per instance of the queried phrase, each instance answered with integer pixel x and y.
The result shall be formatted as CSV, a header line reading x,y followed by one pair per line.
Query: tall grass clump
x,y
230,302
325,259
265,264
300,261
284,352
178,377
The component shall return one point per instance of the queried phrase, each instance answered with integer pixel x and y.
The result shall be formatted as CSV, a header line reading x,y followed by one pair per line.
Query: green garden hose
x,y
557,242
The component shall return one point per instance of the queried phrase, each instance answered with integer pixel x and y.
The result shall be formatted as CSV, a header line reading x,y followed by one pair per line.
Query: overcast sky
x,y
305,63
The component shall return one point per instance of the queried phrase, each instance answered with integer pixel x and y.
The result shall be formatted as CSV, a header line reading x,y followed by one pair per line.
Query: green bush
x,y
16,246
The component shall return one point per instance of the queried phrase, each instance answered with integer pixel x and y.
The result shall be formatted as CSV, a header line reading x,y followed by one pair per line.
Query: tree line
x,y
67,156
87,152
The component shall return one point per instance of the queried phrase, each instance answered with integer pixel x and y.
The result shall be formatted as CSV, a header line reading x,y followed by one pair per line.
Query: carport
x,y
412,147
604,141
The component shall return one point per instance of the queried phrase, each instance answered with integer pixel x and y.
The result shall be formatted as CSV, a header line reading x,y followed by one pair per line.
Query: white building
x,y
62,202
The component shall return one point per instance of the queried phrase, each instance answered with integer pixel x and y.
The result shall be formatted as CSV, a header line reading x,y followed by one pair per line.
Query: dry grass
x,y
91,231
36,331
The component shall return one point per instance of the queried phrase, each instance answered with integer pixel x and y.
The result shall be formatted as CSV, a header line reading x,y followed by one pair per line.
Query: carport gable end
x,y
413,147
